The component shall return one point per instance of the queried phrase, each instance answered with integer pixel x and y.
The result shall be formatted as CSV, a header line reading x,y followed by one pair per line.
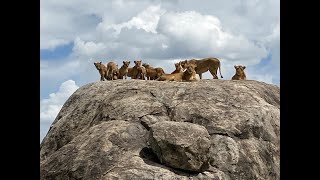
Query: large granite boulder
x,y
103,131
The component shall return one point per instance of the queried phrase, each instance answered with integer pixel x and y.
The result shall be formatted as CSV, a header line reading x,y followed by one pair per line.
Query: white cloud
x,y
50,107
159,32
88,48
195,35
146,20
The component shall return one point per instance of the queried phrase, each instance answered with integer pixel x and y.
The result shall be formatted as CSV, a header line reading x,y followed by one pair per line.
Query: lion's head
x,y
98,65
138,63
240,70
126,63
190,68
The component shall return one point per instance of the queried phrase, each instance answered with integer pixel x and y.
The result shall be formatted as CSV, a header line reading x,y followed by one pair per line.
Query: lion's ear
x,y
100,62
243,67
123,62
235,66
135,61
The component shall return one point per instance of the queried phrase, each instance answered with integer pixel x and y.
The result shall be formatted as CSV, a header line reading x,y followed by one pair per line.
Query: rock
x,y
102,130
181,145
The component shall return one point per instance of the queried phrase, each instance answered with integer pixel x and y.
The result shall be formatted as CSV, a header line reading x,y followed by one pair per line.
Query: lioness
x,y
123,71
178,68
112,70
203,65
188,75
102,70
240,74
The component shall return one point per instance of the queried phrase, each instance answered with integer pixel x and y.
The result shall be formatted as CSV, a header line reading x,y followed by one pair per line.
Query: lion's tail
x,y
220,69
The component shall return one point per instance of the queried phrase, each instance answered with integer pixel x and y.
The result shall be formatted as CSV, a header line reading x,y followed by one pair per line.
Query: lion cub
x,y
240,74
102,70
178,68
123,71
112,71
152,73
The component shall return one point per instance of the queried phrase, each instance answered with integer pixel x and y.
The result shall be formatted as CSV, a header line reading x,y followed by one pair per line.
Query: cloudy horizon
x,y
76,33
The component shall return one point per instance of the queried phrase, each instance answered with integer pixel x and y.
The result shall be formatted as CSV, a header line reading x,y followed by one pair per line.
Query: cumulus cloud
x,y
50,107
146,20
159,32
192,34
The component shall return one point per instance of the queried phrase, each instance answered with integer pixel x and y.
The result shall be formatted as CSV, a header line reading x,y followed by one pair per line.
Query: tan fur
x,y
203,65
188,75
102,70
141,73
123,71
112,71
130,73
134,71
152,73
240,74
178,68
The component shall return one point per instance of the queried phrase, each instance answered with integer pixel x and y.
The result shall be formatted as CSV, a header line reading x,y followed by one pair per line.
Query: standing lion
x,y
203,65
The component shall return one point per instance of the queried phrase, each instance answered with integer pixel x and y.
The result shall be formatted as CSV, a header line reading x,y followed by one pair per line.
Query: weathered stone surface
x,y
102,130
181,145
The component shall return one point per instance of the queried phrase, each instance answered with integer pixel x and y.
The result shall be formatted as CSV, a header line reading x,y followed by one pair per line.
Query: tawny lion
x,y
102,70
123,71
188,75
203,65
152,73
240,74
112,71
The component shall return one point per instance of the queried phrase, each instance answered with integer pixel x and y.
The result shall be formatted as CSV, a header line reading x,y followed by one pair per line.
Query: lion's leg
x,y
213,72
102,76
200,75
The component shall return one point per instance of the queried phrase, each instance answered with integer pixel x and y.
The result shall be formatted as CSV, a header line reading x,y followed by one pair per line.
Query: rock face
x,y
181,145
111,130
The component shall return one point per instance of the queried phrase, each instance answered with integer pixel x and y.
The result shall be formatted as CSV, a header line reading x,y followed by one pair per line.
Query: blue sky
x,y
76,33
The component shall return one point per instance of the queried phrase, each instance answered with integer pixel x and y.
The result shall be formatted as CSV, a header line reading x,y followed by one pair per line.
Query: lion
x,y
178,68
141,73
102,70
240,74
203,65
152,73
130,73
134,71
188,75
112,70
123,71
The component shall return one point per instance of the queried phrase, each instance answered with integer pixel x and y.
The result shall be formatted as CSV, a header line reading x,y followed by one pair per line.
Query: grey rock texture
x,y
181,145
103,130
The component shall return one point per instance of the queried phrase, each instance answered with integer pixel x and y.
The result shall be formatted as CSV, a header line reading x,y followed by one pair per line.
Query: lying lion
x,y
240,74
188,75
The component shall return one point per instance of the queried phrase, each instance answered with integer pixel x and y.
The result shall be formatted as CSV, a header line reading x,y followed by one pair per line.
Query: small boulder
x,y
181,145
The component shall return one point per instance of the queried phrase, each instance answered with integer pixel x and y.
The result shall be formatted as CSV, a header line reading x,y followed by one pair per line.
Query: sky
x,y
76,33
